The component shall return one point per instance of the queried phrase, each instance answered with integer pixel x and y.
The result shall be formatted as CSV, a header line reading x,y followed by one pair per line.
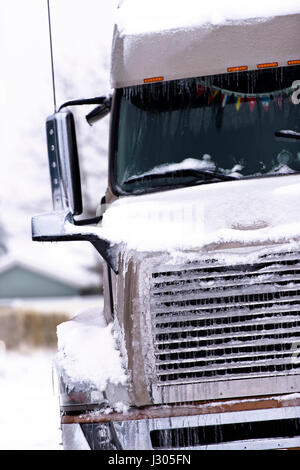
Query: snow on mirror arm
x,y
224,122
59,226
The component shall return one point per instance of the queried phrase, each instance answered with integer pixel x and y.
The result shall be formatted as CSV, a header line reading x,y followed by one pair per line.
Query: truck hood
x,y
259,211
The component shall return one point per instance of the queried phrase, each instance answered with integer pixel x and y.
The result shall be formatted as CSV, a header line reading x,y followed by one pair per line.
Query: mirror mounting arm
x,y
86,101
59,226
103,108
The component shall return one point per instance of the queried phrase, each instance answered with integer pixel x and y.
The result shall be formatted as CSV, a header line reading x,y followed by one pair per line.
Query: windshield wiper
x,y
287,134
203,175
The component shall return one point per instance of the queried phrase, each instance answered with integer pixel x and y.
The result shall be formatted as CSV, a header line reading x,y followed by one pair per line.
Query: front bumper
x,y
258,424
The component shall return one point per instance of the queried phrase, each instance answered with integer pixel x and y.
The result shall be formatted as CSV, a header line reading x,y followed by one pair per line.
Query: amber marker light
x,y
153,79
294,62
267,65
240,68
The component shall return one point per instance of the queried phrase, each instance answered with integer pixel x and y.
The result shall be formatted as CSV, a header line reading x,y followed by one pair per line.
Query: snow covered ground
x,y
45,305
29,417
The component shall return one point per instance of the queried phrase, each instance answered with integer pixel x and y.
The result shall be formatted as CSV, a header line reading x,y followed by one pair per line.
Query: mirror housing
x,y
60,224
63,162
100,111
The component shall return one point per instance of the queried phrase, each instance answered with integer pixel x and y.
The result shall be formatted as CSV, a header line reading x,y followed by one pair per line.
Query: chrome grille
x,y
214,322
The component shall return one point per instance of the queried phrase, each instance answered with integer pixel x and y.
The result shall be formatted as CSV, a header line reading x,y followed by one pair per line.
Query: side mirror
x,y
100,111
63,162
60,224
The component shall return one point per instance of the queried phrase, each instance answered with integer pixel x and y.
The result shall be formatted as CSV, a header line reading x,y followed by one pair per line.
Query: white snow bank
x,y
69,305
138,16
254,211
87,353
29,417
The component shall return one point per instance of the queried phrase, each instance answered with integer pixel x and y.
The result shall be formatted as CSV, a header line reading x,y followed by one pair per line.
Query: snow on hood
x,y
245,212
138,16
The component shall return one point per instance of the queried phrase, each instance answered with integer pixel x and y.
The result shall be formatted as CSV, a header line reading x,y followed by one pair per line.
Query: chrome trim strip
x,y
260,444
135,435
227,389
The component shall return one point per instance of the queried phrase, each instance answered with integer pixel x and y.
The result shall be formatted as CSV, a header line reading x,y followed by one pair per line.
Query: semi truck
x,y
199,234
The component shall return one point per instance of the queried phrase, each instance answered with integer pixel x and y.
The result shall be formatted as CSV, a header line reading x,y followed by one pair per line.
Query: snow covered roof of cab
x,y
173,39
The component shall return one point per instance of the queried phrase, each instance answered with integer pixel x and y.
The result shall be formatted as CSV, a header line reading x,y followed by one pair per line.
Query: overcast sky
x,y
82,33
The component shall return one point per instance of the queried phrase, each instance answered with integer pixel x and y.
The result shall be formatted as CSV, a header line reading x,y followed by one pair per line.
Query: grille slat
x,y
189,379
183,285
262,334
186,307
215,357
212,320
266,262
198,294
219,367
215,316
217,325
228,374
230,344
192,276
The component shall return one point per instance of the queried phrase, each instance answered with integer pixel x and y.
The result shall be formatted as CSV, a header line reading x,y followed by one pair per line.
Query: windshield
x,y
221,125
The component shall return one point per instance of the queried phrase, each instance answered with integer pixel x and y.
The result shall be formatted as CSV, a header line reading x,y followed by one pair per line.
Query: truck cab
x,y
199,232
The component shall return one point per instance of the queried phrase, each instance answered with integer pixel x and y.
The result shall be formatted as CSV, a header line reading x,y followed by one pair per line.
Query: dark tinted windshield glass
x,y
222,124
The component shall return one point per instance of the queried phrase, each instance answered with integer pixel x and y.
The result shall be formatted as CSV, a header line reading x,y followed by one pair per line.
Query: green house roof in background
x,y
19,279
